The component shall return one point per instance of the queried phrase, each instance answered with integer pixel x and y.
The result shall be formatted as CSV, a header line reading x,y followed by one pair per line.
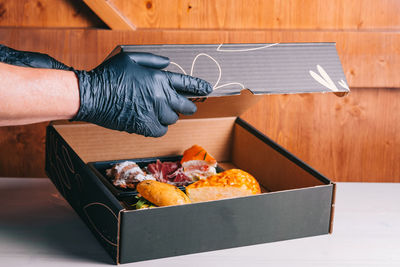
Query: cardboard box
x,y
299,201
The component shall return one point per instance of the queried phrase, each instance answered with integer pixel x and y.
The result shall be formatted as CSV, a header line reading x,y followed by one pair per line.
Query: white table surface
x,y
38,228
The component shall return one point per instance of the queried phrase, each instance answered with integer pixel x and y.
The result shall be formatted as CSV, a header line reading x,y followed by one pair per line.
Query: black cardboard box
x,y
299,201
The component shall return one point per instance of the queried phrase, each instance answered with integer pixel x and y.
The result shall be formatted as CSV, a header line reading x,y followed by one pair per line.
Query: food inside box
x,y
193,177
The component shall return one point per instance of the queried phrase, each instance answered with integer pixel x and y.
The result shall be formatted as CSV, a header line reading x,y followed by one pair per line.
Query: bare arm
x,y
29,95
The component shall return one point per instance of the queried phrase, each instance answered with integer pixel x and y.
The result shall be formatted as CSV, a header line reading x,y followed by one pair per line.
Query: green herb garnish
x,y
198,153
142,203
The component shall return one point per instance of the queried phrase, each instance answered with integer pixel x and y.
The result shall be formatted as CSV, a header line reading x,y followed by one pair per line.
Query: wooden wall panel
x,y
263,14
22,150
370,59
352,138
211,14
355,138
47,13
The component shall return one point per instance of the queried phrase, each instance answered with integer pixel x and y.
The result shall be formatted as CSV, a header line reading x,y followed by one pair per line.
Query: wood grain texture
x,y
22,150
210,14
353,138
47,13
108,13
370,59
263,14
348,139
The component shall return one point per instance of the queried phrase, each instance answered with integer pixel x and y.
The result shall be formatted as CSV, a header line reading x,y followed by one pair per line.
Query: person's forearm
x,y
29,95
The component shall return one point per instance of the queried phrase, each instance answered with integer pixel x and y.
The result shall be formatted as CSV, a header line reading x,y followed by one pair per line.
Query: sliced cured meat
x,y
127,174
197,163
161,170
198,169
179,177
169,172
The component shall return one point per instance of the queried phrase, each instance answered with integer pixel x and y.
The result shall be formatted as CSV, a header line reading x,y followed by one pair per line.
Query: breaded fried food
x,y
162,194
227,184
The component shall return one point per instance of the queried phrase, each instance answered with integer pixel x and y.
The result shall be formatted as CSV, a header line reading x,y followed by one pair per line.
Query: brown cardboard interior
x,y
271,168
229,143
224,106
94,143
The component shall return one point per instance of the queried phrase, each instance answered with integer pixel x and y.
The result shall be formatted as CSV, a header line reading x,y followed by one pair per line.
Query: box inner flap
x,y
95,143
224,106
275,171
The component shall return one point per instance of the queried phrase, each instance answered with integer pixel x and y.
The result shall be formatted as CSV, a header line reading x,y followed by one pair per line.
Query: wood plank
x,y
263,14
108,13
370,59
349,139
210,14
22,150
47,13
352,138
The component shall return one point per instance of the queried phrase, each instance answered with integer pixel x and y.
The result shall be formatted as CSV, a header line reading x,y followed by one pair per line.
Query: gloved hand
x,y
29,59
129,92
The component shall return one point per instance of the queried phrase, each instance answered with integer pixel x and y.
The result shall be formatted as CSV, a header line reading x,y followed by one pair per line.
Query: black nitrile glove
x,y
29,59
129,92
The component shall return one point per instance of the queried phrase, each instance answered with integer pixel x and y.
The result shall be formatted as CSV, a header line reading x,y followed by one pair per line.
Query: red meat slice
x,y
179,177
161,170
169,172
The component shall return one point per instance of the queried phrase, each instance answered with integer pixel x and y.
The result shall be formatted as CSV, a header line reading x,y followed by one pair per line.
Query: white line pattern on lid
x,y
245,50
216,85
344,84
215,61
179,66
323,78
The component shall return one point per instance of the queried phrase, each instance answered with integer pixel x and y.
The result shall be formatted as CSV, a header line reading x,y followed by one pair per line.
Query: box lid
x,y
248,71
